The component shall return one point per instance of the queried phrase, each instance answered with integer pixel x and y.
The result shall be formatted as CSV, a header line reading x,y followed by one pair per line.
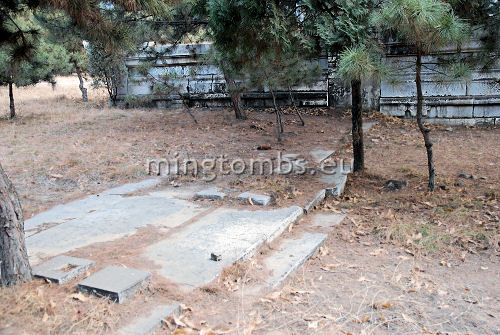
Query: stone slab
x,y
62,268
257,199
119,219
115,282
79,208
211,193
234,234
319,155
292,156
335,181
150,322
295,166
133,187
327,220
292,253
318,198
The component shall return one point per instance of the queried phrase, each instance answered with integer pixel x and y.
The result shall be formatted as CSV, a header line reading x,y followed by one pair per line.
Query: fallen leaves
x,y
272,297
323,251
329,267
79,296
184,331
383,304
377,252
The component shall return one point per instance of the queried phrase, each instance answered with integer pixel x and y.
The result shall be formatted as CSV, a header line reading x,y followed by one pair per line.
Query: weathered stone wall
x,y
452,102
466,102
204,84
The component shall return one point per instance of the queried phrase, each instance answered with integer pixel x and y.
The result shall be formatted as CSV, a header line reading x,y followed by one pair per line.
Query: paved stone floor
x,y
184,256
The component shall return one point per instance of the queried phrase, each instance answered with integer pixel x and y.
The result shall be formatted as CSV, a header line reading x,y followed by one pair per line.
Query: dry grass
x,y
49,309
407,261
60,148
404,262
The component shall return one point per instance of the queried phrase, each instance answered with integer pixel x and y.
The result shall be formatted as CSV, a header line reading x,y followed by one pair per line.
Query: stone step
x,y
336,181
292,253
318,199
230,234
115,282
149,322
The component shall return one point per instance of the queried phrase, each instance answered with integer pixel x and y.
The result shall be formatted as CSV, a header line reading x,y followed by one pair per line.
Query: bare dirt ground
x,y
59,148
402,262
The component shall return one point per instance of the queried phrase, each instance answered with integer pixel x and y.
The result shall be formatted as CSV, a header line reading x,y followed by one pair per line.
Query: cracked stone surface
x,y
62,268
119,218
234,234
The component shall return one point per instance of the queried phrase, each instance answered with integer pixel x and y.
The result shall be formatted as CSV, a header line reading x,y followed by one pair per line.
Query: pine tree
x,y
60,30
45,62
426,25
343,25
18,44
259,43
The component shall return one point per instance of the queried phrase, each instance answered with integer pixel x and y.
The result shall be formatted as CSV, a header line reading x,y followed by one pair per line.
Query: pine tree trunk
x,y
11,99
235,98
53,82
236,102
81,86
357,127
424,130
15,264
295,106
279,124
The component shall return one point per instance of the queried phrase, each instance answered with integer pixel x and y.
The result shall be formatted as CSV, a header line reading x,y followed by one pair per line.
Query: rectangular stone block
x,y
257,199
487,110
448,111
319,155
115,282
291,255
318,198
210,193
150,322
62,268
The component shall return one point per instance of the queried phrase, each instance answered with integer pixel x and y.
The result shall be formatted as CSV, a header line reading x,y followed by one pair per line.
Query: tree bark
x,y
53,82
279,124
15,264
235,98
81,86
424,130
11,99
295,106
357,127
